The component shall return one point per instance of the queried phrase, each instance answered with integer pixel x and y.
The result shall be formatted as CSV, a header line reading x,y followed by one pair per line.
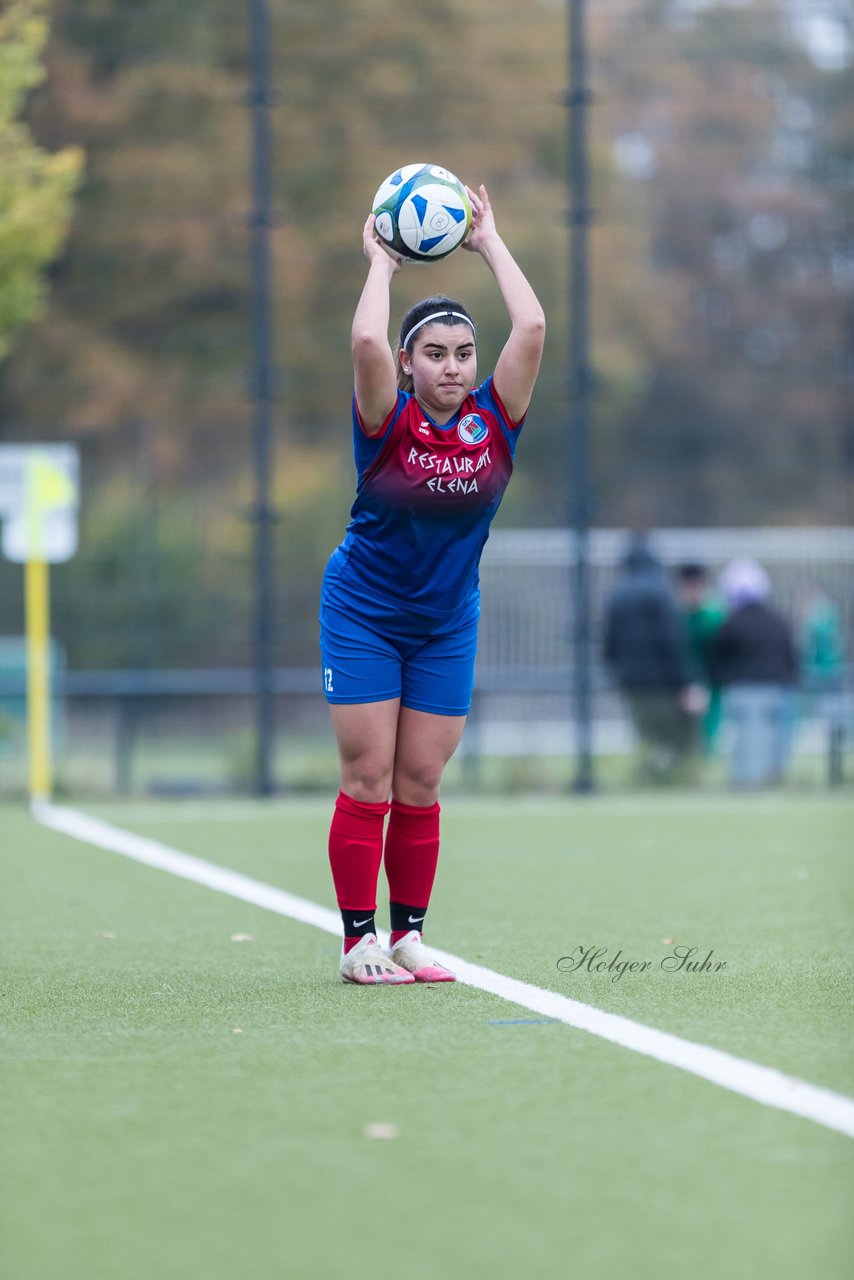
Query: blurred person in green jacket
x,y
822,658
703,612
821,645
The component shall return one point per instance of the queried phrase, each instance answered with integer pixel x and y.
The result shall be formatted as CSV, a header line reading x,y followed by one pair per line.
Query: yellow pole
x,y
47,489
37,608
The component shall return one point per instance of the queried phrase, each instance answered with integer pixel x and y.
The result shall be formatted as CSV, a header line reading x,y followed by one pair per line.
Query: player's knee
x,y
418,784
367,780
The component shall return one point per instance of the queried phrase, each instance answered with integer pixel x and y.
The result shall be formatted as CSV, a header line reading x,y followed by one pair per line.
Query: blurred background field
x,y
179,754
721,291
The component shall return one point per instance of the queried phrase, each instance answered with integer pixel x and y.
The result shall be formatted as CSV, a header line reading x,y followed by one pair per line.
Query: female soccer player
x,y
400,601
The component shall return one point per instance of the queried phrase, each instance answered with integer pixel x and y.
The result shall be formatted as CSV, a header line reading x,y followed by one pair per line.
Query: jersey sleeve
x,y
487,397
365,447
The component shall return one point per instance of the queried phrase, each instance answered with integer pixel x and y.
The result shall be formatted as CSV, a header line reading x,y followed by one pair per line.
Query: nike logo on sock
x,y
416,919
357,924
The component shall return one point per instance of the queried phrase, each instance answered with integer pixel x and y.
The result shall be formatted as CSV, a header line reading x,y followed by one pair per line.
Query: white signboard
x,y
39,497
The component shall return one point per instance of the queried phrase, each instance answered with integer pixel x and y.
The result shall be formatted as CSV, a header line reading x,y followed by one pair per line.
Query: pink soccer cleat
x,y
411,954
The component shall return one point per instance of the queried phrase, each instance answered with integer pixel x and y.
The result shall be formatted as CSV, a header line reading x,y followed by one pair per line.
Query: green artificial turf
x,y
178,1104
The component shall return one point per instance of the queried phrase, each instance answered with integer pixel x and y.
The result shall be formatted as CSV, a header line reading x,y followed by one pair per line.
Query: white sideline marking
x,y
766,1085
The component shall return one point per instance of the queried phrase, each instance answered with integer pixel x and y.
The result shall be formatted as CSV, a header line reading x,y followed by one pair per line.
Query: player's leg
x,y
366,741
425,744
359,667
366,735
437,689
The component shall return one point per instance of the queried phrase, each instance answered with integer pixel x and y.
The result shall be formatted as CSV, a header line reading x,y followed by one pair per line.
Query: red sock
x,y
355,852
411,854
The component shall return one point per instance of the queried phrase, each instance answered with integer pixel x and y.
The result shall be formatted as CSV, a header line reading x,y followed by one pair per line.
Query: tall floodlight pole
x,y
262,391
578,98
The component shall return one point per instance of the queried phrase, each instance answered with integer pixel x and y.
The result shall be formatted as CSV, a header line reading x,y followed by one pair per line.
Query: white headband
x,y
437,315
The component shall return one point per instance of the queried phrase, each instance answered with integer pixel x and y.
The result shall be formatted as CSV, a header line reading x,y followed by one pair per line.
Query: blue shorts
x,y
429,665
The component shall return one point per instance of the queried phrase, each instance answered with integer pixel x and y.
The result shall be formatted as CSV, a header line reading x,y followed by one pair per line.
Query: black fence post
x,y
262,394
580,386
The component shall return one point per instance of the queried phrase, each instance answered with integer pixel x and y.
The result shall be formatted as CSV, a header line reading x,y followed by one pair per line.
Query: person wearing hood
x,y
754,659
646,652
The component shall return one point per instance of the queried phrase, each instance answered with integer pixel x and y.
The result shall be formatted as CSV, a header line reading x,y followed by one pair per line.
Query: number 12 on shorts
x,y
327,680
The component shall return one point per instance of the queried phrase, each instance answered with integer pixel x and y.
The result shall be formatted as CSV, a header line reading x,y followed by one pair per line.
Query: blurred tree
x,y
739,143
36,188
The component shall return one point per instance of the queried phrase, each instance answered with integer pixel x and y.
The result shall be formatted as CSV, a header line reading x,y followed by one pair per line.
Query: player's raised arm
x,y
373,362
519,363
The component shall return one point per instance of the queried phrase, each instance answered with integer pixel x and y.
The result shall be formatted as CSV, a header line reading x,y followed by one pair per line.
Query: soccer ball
x,y
422,212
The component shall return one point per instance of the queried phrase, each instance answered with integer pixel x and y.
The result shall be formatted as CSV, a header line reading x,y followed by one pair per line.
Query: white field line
x,y
763,1084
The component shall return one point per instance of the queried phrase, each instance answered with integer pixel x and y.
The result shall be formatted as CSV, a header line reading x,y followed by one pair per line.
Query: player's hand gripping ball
x,y
422,212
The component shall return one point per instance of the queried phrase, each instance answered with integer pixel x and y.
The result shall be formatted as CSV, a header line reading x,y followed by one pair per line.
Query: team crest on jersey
x,y
472,429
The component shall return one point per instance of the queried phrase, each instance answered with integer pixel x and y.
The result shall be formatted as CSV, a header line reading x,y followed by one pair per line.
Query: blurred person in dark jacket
x,y
646,651
754,660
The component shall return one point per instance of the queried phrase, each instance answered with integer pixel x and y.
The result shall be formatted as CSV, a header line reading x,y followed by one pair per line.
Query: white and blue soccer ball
x,y
422,212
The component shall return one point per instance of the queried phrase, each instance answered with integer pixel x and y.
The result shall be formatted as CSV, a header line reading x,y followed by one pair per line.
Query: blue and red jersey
x,y
425,498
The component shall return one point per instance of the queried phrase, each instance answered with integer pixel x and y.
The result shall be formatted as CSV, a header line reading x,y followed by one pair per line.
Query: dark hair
x,y
427,306
692,571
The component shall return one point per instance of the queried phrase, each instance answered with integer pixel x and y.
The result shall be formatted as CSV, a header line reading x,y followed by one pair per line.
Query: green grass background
x,y
175,1104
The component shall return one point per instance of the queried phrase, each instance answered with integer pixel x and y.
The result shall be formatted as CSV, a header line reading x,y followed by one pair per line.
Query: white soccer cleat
x,y
411,954
367,964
